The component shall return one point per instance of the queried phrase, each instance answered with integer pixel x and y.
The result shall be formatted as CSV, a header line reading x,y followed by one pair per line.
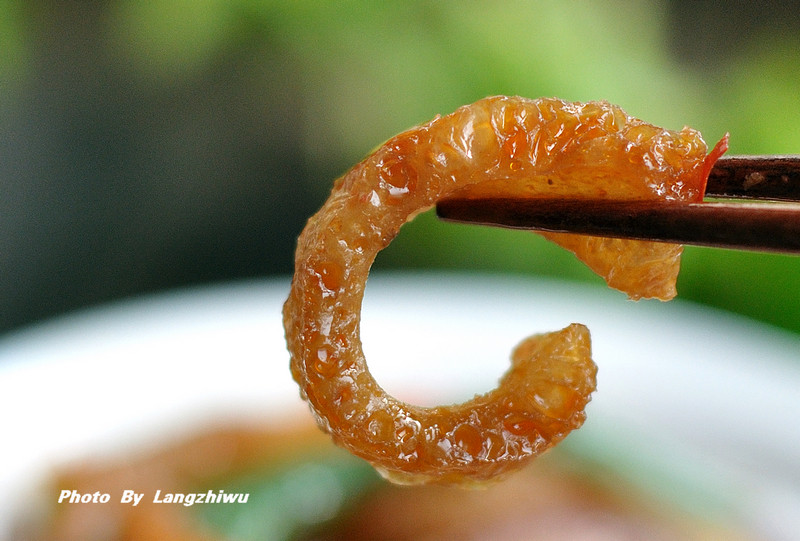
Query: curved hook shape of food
x,y
498,146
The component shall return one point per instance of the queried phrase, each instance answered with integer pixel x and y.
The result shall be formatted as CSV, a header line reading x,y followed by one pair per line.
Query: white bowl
x,y
695,404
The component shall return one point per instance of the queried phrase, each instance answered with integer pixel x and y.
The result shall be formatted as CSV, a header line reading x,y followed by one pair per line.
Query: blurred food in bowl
x,y
299,486
159,394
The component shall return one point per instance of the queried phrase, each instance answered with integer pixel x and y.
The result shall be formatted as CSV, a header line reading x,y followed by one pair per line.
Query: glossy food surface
x,y
496,146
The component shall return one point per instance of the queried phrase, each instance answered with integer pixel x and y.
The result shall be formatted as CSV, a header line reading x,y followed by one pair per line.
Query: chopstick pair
x,y
759,209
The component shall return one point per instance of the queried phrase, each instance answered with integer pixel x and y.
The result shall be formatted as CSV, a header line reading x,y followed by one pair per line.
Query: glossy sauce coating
x,y
496,146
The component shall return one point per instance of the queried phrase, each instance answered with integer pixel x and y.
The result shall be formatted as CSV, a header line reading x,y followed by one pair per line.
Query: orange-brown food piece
x,y
496,146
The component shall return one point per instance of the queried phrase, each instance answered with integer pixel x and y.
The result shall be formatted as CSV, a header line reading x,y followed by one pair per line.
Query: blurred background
x,y
150,145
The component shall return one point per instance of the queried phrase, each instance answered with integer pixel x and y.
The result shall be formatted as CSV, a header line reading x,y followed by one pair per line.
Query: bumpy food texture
x,y
497,146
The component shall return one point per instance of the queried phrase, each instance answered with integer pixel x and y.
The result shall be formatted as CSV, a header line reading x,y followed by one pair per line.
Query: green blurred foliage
x,y
367,70
12,41
169,38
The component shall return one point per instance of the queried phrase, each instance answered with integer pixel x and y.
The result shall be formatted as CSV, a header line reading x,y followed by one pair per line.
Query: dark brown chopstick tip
x,y
760,227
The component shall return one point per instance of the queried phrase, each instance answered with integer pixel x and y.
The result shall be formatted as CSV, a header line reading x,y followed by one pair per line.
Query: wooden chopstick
x,y
769,227
762,226
755,177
